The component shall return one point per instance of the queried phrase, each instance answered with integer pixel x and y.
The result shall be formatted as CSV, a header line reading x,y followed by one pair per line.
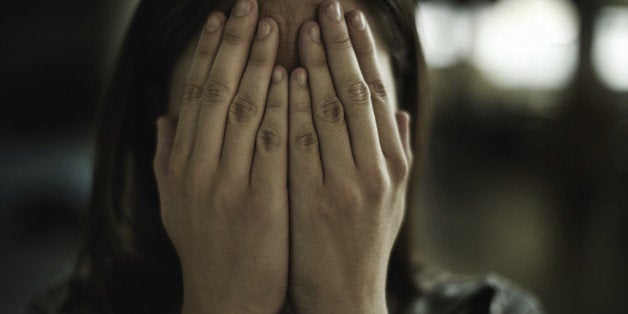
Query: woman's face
x,y
290,15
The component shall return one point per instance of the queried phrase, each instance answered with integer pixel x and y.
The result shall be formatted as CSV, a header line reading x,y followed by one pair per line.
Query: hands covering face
x,y
275,186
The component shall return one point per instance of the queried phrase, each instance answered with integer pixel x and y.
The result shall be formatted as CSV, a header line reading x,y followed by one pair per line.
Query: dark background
x,y
528,179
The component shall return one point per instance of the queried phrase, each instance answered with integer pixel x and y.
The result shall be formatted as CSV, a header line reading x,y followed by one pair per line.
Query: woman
x,y
278,179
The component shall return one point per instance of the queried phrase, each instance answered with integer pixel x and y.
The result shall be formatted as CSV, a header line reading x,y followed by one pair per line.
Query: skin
x,y
283,191
290,16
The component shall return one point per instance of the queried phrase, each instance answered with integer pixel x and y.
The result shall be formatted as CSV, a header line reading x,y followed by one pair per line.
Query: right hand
x,y
222,178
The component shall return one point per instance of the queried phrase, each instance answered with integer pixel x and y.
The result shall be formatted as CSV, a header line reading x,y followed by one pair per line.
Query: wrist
x,y
346,302
370,307
222,306
201,303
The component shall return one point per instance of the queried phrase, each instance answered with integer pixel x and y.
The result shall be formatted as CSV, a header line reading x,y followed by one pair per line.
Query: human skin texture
x,y
280,187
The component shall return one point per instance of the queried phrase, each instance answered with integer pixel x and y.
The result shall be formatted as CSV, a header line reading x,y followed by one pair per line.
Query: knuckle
x,y
175,175
351,201
166,219
241,110
195,178
156,164
353,198
192,93
157,169
259,61
331,110
400,166
378,89
409,156
204,52
301,106
406,169
341,41
357,91
306,139
318,63
268,138
233,38
275,104
365,50
216,91
378,185
188,106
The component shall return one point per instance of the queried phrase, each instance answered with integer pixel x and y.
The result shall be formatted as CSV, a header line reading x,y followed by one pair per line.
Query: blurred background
x,y
528,164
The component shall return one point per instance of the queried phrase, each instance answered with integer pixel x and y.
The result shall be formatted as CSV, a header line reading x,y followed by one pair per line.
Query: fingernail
x,y
263,29
358,21
214,23
301,78
315,34
277,75
334,12
160,124
243,8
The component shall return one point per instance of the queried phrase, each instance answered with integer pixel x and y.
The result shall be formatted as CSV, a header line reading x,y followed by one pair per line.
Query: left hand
x,y
349,161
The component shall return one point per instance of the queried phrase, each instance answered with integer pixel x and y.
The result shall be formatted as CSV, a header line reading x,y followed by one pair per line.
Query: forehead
x,y
290,15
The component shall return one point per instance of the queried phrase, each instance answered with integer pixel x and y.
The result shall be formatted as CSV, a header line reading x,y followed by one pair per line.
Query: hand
x,y
224,202
349,164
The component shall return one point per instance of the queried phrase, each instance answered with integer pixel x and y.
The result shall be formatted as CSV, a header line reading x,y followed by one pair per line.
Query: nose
x,y
290,15
288,53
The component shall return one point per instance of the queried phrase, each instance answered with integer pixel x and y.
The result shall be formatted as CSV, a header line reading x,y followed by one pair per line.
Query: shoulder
x,y
489,293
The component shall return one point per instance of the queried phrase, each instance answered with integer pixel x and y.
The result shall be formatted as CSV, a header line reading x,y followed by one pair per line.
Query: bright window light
x,y
445,32
610,47
527,44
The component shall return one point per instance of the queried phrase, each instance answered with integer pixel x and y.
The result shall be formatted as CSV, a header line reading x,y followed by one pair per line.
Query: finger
x,y
329,115
364,46
305,169
223,80
247,107
350,86
165,139
403,124
188,114
270,164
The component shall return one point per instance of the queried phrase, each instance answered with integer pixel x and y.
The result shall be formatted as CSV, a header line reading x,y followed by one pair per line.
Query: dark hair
x,y
128,263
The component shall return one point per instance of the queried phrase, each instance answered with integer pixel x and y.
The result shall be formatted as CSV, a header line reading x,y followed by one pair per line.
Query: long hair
x,y
128,264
